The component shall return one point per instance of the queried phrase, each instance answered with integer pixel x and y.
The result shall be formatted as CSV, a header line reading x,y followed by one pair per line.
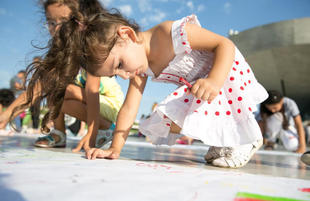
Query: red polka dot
x,y
195,111
250,109
217,113
248,70
220,102
232,78
239,98
230,102
186,100
206,112
198,101
245,84
234,68
175,93
241,88
220,93
181,34
239,110
237,62
249,81
241,73
209,102
230,90
185,89
183,43
167,124
228,112
165,117
168,77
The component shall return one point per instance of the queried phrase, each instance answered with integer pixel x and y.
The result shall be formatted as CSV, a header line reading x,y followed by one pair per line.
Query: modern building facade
x,y
279,54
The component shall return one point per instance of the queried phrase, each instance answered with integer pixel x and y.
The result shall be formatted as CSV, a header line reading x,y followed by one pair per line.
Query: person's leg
x,y
273,127
289,139
73,105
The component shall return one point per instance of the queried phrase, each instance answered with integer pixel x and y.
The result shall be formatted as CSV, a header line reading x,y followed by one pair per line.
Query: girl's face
x,y
56,14
275,107
126,59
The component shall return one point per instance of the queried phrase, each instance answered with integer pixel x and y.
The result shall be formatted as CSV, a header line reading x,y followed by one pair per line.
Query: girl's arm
x,y
224,50
93,110
21,99
301,134
125,119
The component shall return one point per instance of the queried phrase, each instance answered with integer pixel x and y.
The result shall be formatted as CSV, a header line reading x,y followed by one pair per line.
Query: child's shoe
x,y
217,152
306,158
239,156
104,136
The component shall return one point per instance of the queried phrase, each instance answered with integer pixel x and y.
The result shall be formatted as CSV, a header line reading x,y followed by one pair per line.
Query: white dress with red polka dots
x,y
227,121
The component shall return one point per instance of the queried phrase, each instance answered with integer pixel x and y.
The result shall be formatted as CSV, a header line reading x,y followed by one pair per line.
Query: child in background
x,y
217,90
280,118
91,99
6,98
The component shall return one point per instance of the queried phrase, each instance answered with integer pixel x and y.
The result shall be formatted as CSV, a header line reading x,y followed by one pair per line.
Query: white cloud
x,y
144,5
126,10
227,7
105,3
158,16
200,8
190,5
2,11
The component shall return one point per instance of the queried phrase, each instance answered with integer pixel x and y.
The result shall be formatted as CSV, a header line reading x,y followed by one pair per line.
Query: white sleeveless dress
x,y
227,121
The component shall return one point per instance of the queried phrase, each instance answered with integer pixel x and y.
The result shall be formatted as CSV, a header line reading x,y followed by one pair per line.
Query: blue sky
x,y
21,26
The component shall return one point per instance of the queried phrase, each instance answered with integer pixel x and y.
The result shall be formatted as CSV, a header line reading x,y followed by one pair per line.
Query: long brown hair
x,y
59,66
273,98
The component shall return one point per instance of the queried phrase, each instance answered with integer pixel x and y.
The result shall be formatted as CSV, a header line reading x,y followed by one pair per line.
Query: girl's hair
x,y
273,98
6,97
60,64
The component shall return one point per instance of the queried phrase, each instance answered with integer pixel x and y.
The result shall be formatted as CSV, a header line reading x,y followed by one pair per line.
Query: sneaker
x,y
104,137
239,156
306,158
217,152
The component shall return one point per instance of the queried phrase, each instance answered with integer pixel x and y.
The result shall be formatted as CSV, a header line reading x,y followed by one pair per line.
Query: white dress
x,y
227,121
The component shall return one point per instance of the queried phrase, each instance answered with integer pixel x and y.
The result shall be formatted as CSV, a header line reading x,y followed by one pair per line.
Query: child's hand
x,y
205,89
94,153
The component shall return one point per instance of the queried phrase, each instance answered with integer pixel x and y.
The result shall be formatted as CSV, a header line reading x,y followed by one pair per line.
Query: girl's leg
x,y
289,139
74,105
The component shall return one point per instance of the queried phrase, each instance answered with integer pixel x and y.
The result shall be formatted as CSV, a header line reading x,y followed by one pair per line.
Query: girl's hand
x,y
301,149
94,153
205,89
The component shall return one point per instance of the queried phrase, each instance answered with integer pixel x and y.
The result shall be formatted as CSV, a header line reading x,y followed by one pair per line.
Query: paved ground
x,y
144,172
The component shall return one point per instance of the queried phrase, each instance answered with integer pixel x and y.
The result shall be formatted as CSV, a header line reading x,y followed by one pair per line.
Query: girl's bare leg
x,y
74,105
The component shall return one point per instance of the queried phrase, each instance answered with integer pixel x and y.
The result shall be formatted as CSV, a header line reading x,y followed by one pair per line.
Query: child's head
x,y
6,97
111,46
274,102
56,70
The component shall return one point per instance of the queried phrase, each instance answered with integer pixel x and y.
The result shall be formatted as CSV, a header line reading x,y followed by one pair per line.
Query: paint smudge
x,y
305,190
243,196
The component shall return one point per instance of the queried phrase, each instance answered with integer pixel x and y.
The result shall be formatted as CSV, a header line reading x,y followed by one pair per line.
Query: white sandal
x,y
51,141
217,152
239,157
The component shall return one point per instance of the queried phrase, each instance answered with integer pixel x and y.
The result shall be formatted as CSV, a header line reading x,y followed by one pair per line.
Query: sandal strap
x,y
60,134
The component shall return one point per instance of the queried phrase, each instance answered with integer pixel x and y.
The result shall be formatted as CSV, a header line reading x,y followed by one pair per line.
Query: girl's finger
x,y
89,153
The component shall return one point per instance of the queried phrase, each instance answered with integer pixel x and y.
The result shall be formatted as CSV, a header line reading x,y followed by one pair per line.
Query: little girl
x,y
91,99
217,89
280,118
